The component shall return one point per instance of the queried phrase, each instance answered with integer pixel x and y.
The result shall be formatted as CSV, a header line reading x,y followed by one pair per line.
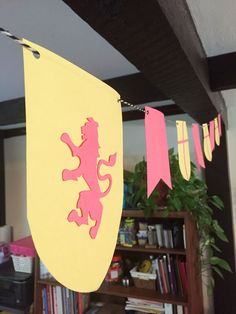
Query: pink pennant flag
x,y
212,134
197,146
219,124
156,149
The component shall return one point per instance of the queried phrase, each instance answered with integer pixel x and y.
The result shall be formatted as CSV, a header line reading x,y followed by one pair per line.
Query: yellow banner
x,y
206,142
217,134
74,169
183,149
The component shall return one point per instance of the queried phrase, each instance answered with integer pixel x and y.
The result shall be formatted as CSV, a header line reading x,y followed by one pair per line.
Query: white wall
x,y
230,98
15,182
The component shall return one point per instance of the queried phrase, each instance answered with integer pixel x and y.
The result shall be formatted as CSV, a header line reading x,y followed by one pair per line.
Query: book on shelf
x,y
166,273
178,235
183,276
168,308
163,275
180,309
184,236
171,235
177,277
159,279
171,274
159,232
60,300
174,309
144,306
168,239
49,299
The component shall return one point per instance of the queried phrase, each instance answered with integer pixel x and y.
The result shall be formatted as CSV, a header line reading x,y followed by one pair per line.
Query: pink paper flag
x,y
156,149
212,135
219,124
197,147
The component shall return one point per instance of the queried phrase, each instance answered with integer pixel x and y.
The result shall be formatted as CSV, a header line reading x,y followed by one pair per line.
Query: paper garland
x,y
217,134
64,98
156,149
197,147
212,135
183,149
206,142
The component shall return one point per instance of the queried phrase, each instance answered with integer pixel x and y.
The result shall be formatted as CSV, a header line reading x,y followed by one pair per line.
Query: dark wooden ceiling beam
x,y
160,39
8,133
12,111
136,89
222,71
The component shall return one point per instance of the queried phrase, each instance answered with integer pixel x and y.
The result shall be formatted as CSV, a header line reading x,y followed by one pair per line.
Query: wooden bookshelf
x,y
141,249
133,292
193,301
159,213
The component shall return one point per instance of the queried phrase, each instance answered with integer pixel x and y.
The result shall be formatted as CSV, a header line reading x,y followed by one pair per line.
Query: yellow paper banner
x,y
206,142
74,169
183,149
217,135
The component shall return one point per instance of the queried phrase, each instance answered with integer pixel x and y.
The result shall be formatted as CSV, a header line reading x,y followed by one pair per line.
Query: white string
x,y
20,41
136,107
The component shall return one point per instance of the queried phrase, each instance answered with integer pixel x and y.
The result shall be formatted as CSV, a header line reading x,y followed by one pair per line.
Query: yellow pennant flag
x,y
206,142
183,149
217,135
74,169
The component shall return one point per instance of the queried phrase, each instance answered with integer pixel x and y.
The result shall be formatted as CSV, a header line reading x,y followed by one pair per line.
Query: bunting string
x,y
156,140
20,41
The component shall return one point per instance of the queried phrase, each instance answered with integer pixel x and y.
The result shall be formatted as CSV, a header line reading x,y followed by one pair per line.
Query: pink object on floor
x,y
24,246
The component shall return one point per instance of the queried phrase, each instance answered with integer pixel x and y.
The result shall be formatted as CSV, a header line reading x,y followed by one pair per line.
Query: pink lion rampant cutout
x,y
88,202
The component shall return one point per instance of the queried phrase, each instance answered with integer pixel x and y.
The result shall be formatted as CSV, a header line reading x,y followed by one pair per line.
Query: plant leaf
x,y
217,202
214,260
215,247
218,271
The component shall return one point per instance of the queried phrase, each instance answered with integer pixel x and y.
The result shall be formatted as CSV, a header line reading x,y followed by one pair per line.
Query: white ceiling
x,y
215,21
55,26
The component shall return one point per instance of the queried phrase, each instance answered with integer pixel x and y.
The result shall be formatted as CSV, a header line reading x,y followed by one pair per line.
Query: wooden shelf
x,y
133,292
142,249
112,308
138,213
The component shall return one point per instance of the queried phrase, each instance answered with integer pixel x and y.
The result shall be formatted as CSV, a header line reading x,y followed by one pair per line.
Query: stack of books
x,y
60,300
171,275
171,235
144,306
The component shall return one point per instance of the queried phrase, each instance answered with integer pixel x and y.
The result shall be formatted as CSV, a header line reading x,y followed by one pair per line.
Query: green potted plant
x,y
191,196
